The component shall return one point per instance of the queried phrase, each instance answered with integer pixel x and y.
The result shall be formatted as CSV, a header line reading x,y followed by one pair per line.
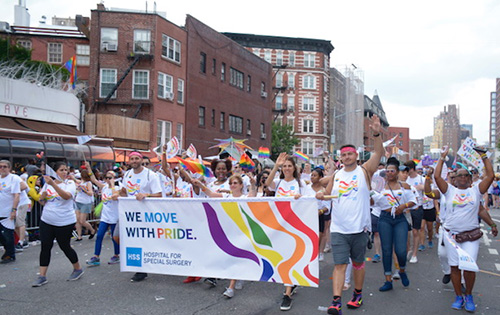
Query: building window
x,y
249,83
267,56
290,121
213,118
235,124
82,55
55,53
163,131
142,41
180,128
201,116
309,82
401,135
256,52
140,89
309,60
25,43
279,80
308,125
308,104
165,86
279,58
236,78
308,147
291,103
279,102
291,80
108,82
249,127
203,62
180,91
214,66
171,48
109,39
223,72
222,121
325,84
291,59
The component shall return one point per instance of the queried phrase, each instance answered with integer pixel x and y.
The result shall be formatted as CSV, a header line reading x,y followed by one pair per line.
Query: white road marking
x,y
485,238
498,266
493,251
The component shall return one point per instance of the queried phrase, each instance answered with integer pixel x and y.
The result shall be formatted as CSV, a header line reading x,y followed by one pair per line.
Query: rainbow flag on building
x,y
301,156
71,66
246,163
264,153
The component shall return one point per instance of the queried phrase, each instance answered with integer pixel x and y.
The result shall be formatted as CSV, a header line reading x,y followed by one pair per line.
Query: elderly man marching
x,y
350,190
10,191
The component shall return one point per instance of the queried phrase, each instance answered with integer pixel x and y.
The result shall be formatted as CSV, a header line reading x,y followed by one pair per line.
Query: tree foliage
x,y
15,52
282,139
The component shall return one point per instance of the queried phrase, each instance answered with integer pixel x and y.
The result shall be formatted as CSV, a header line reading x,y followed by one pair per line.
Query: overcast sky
x,y
419,56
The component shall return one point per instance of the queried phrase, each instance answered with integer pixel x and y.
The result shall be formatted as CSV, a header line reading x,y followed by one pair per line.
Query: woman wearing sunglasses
x,y
392,224
236,191
109,216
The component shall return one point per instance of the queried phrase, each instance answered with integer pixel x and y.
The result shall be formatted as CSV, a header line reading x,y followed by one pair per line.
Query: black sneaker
x,y
446,279
211,281
19,248
7,259
286,303
139,276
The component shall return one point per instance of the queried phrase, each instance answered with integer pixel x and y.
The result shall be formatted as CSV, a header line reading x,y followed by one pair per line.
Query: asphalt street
x,y
106,290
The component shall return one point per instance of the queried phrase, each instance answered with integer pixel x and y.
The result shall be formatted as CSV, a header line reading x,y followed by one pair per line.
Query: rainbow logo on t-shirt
x,y
3,186
133,189
345,189
52,195
393,201
286,193
460,200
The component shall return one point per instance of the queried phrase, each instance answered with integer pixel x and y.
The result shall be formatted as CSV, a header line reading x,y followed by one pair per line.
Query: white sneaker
x,y
327,249
239,284
346,286
396,275
229,293
321,257
414,260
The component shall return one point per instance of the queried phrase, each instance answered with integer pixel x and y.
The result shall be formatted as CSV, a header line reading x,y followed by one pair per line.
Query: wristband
x,y
483,156
376,135
90,173
493,225
14,209
442,159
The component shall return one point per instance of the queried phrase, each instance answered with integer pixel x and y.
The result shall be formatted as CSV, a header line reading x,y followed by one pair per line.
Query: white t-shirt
x,y
379,202
289,189
396,197
428,203
81,192
57,211
351,202
414,182
462,208
109,213
9,185
183,189
442,209
146,182
167,187
23,197
218,187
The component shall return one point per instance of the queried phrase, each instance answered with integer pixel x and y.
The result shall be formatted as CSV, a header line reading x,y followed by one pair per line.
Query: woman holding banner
x,y
462,232
236,188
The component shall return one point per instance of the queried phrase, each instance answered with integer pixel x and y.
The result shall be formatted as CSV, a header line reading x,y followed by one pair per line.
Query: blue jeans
x,y
7,240
103,227
393,234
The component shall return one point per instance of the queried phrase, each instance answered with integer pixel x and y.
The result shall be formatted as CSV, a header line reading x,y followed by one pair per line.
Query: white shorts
x,y
21,214
472,248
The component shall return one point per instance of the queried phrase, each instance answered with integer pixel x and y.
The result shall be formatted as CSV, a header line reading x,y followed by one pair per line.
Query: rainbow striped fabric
x,y
71,66
195,167
264,153
246,163
301,156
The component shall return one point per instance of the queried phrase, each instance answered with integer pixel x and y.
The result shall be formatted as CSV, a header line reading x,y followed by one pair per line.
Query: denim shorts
x,y
349,245
84,207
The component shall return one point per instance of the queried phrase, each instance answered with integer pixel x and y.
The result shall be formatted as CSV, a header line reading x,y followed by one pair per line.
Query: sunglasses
x,y
234,183
264,178
462,175
107,177
390,171
4,166
145,164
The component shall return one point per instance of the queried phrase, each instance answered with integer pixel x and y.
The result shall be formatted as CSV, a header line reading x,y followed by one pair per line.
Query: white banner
x,y
256,239
465,261
469,155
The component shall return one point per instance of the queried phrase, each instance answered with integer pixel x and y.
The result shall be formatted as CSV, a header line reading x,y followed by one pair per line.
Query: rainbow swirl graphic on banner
x,y
253,221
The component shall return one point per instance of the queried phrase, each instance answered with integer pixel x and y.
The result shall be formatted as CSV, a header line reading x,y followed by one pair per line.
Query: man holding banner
x,y
350,191
462,231
141,183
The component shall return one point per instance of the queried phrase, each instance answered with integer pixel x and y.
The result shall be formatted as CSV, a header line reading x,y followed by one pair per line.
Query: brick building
x,y
447,129
402,141
228,90
416,149
300,88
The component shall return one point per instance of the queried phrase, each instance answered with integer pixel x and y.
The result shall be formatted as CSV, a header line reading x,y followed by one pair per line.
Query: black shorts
x,y
416,218
430,215
322,223
374,223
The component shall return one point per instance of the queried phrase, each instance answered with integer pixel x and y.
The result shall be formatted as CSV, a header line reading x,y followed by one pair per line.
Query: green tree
x,y
282,140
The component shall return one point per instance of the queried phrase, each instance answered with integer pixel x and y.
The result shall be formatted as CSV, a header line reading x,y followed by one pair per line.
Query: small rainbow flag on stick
x,y
195,167
301,156
246,163
264,153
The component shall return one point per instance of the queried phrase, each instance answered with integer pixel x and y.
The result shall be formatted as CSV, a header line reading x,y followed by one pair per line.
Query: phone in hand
x,y
480,150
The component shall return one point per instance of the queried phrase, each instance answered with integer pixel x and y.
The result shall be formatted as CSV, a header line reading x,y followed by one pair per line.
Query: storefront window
x,y
4,148
102,153
26,148
54,150
76,152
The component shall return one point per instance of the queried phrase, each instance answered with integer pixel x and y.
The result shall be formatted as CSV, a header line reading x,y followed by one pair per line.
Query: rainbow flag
x,y
71,66
301,156
264,153
416,161
195,167
246,163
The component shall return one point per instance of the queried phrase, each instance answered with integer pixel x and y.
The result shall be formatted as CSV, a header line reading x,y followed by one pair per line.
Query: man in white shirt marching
x,y
350,192
10,190
141,183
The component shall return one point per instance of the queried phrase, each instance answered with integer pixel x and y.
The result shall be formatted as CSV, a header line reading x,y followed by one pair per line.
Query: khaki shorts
x,y
21,215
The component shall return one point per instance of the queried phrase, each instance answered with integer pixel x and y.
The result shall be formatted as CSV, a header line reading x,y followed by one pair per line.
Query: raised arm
x,y
433,194
440,182
279,163
164,164
93,179
488,174
205,189
372,164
